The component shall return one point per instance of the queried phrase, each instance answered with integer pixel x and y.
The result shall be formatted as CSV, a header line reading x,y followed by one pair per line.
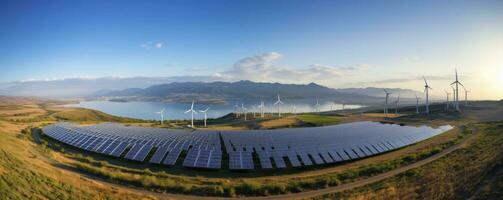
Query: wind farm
x,y
257,100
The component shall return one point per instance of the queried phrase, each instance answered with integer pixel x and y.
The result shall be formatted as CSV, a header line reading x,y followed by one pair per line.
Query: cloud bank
x,y
263,68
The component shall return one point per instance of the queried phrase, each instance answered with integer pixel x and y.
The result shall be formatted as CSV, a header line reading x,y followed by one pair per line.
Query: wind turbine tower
x,y
447,94
205,112
466,95
278,102
162,115
426,88
317,106
261,106
236,110
244,110
386,103
192,111
396,104
456,95
417,105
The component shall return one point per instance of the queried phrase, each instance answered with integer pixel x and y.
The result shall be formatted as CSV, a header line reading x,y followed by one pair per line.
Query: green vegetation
x,y
87,115
452,177
319,120
161,181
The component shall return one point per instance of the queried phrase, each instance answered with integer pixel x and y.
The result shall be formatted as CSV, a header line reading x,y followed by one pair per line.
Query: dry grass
x,y
25,171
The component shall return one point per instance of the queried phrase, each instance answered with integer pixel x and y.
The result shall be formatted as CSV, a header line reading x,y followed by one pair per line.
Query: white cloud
x,y
149,45
262,68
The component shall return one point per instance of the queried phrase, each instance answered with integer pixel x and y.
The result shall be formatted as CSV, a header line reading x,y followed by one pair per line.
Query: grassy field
x,y
455,176
55,168
319,120
26,173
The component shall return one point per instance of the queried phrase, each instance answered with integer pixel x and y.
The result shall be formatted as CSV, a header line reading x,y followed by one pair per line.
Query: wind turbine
x,y
162,115
205,112
317,106
254,111
192,111
396,104
447,94
426,88
244,110
466,95
261,106
278,102
294,109
456,94
386,105
417,105
236,110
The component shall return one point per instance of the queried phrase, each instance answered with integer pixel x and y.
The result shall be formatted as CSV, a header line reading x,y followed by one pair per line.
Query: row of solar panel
x,y
167,151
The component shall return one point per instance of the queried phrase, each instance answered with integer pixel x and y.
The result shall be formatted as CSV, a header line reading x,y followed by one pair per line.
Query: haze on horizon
x,y
334,43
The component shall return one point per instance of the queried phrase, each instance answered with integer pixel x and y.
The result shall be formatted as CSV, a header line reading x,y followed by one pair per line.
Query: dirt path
x,y
302,195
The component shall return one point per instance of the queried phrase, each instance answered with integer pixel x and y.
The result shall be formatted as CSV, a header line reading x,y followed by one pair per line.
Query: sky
x,y
339,44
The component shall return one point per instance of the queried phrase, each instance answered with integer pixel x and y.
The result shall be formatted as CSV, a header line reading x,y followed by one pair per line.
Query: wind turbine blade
x,y
188,111
426,83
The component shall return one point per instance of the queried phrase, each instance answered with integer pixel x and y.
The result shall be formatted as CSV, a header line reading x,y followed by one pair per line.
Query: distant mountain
x,y
233,91
378,92
82,87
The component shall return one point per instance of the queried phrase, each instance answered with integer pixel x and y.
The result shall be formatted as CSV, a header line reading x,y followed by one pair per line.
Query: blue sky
x,y
335,43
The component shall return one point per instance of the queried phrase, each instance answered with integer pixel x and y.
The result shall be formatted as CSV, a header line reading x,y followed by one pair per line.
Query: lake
x,y
147,110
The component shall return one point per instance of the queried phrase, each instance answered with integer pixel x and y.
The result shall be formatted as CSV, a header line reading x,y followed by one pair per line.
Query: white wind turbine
x,y
205,112
261,106
294,109
456,92
386,103
162,115
317,106
244,110
192,111
447,94
254,111
417,104
466,95
426,88
396,104
278,102
236,110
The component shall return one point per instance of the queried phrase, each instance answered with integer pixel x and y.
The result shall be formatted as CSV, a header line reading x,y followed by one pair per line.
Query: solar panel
x,y
159,154
305,159
172,157
142,154
326,157
280,163
292,156
335,156
120,149
265,161
133,151
215,159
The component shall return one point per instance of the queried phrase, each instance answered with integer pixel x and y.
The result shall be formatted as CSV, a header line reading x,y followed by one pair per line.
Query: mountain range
x,y
183,89
221,92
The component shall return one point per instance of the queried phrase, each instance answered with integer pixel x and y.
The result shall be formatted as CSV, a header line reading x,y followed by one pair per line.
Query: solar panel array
x,y
279,148
136,143
319,145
